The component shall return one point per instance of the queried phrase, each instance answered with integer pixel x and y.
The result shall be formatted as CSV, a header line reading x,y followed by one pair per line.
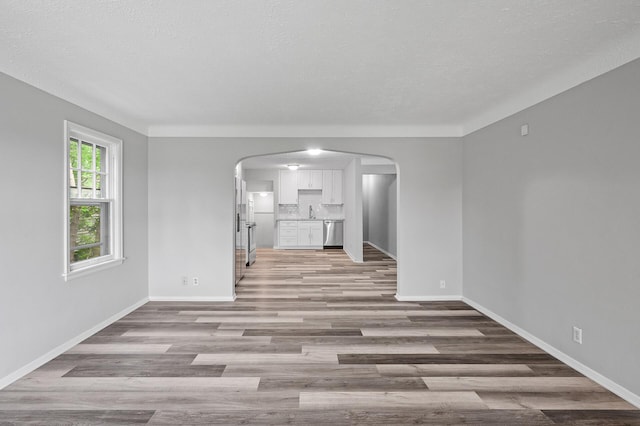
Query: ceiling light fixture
x,y
314,151
293,166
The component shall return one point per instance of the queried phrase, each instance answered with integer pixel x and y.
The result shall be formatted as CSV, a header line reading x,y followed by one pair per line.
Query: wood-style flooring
x,y
312,339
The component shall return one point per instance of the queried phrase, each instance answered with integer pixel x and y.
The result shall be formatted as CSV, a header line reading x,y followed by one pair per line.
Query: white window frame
x,y
113,198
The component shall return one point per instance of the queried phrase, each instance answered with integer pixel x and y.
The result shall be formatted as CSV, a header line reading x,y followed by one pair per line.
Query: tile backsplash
x,y
313,199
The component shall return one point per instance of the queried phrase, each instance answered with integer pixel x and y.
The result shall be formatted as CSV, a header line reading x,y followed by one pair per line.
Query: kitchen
x,y
301,201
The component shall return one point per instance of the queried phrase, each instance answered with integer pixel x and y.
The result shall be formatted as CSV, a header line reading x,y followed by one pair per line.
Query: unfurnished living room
x,y
310,212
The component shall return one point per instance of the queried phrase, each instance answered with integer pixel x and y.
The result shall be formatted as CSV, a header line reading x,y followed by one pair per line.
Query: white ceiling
x,y
313,67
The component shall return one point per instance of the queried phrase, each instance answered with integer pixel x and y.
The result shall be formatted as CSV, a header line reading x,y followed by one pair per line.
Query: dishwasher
x,y
332,233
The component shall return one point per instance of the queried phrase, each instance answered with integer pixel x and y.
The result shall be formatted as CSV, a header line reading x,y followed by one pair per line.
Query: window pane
x,y
73,184
87,184
84,254
101,158
87,156
88,225
84,225
73,153
99,180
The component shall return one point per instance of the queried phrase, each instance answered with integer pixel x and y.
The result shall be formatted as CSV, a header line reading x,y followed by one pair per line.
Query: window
x,y
93,200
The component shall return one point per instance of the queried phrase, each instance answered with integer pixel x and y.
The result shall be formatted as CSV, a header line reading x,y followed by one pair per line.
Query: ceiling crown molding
x,y
607,60
319,131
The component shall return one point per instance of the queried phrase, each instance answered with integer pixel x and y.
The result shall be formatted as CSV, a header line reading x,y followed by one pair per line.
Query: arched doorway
x,y
309,193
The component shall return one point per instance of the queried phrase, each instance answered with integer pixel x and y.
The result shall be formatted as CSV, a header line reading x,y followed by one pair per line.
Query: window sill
x,y
77,273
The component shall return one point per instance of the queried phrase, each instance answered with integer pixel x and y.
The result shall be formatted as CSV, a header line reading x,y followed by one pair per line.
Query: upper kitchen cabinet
x,y
332,187
288,187
309,179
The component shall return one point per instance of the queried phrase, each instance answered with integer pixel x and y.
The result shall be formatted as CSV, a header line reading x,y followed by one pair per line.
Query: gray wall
x,y
379,202
191,209
552,222
38,309
352,198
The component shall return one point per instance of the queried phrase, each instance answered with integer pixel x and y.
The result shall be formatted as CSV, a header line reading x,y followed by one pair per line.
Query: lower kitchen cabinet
x,y
310,233
288,233
300,234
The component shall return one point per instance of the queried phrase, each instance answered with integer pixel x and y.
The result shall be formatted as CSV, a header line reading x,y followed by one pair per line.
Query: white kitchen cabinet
x,y
300,234
310,179
288,187
332,187
310,233
288,233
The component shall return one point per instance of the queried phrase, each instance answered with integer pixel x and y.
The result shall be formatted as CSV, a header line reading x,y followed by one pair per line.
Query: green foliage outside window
x,y
85,182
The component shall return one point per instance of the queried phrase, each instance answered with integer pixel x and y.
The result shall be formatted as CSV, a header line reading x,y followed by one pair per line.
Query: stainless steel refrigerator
x,y
241,228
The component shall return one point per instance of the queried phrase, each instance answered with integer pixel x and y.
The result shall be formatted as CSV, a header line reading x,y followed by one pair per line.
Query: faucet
x,y
310,212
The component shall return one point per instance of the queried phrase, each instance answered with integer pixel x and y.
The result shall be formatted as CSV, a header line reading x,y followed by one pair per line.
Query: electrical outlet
x,y
185,280
196,281
443,283
577,335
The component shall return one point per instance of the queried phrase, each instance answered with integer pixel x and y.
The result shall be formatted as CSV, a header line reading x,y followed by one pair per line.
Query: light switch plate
x,y
577,335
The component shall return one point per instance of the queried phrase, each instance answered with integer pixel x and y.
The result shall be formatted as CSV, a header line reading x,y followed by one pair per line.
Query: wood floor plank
x,y
249,319
75,417
554,401
139,384
146,370
300,370
594,417
303,332
119,348
487,348
379,313
182,333
386,384
225,348
372,349
254,417
312,338
404,331
378,416
513,384
454,370
266,358
445,358
128,400
440,400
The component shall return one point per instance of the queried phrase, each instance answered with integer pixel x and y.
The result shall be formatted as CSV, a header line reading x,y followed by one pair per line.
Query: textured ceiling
x,y
277,68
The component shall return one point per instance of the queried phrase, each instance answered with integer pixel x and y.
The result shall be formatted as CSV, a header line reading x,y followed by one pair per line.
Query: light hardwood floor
x,y
312,339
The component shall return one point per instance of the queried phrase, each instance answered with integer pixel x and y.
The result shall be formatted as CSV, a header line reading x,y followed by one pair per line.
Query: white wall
x,y
39,310
379,201
392,223
191,209
552,222
352,197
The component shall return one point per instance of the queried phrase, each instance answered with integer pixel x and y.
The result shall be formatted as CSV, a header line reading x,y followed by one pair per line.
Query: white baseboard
x,y
445,298
40,361
609,384
192,299
353,259
382,250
